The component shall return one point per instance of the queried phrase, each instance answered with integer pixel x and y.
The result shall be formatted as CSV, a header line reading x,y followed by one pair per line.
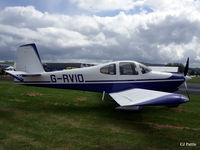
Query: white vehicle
x,y
129,83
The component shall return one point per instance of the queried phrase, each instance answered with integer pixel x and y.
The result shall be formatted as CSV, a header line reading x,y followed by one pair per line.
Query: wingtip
x,y
185,99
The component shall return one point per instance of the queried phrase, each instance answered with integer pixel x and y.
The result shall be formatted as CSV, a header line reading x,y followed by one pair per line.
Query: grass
x,y
194,80
42,118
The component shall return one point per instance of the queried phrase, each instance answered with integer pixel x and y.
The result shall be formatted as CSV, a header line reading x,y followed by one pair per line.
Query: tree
x,y
192,72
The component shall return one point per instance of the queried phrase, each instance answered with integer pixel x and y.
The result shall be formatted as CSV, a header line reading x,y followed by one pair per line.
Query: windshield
x,y
144,69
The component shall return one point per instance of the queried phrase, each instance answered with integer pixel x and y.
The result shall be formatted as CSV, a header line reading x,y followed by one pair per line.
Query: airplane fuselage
x,y
109,77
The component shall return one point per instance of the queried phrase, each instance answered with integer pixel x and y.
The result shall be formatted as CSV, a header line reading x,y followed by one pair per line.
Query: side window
x,y
144,69
127,68
109,69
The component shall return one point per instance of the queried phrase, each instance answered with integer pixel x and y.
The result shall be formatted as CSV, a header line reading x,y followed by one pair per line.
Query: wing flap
x,y
141,97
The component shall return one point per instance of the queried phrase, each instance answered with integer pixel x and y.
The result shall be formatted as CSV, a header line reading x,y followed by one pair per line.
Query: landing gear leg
x,y
103,95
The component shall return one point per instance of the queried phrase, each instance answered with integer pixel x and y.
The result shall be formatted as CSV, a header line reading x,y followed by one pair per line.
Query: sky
x,y
151,31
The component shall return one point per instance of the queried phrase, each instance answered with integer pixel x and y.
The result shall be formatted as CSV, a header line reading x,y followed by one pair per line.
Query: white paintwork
x,y
10,68
90,73
136,96
28,61
29,68
93,73
22,73
16,72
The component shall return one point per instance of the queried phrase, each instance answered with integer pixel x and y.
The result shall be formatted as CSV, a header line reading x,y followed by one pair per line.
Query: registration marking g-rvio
x,y
68,78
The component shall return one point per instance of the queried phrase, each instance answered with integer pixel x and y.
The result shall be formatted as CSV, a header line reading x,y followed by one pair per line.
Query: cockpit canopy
x,y
125,68
109,69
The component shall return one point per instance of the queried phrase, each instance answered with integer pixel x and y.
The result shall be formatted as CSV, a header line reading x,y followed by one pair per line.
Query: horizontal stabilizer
x,y
141,97
30,74
19,74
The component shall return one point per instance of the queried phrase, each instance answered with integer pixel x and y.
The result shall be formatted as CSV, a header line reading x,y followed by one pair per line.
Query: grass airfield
x,y
43,118
194,80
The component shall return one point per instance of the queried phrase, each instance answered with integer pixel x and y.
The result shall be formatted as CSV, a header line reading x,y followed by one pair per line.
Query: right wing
x,y
141,97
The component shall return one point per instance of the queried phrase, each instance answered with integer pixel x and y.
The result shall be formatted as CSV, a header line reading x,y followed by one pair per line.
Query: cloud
x,y
106,5
160,36
171,5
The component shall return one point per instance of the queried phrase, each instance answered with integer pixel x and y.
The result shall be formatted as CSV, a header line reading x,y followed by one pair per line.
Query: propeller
x,y
186,89
185,75
186,67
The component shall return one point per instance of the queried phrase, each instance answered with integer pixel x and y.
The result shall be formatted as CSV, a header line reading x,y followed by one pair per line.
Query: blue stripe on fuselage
x,y
111,87
176,76
169,85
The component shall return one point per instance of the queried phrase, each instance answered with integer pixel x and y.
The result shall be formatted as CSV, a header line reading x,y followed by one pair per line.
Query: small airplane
x,y
130,83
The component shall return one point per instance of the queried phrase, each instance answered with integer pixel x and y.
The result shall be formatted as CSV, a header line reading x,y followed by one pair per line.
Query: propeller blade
x,y
186,67
186,89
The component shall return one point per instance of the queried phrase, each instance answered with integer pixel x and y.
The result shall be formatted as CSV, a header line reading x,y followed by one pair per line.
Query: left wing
x,y
141,97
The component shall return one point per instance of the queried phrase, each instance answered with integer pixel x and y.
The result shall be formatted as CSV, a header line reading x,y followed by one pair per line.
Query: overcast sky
x,y
153,31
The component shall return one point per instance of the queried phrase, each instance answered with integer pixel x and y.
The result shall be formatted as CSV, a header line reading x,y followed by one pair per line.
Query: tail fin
x,y
28,59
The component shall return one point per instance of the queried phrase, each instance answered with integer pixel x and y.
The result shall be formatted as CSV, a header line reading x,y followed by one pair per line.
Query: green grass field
x,y
194,80
43,118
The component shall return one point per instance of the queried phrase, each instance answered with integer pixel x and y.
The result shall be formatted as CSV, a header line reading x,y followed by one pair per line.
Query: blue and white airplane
x,y
131,84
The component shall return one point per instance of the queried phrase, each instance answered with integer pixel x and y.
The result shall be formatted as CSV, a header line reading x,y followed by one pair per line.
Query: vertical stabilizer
x,y
28,59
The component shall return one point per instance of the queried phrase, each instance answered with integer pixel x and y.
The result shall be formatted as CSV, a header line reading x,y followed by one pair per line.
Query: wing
x,y
141,97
